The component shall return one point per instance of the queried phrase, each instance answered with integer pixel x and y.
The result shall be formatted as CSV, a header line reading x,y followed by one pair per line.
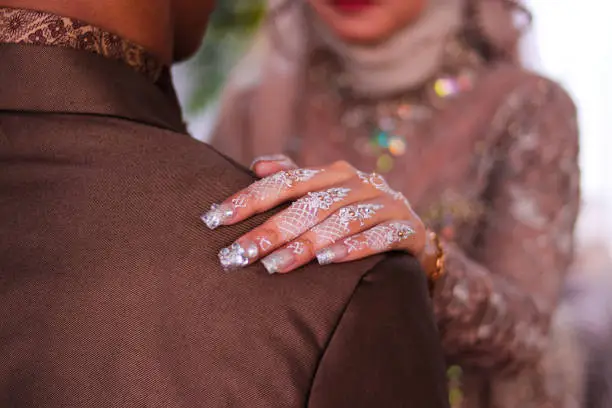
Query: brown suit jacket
x,y
111,294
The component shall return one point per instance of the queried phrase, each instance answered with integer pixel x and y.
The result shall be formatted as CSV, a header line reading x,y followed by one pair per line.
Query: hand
x,y
339,214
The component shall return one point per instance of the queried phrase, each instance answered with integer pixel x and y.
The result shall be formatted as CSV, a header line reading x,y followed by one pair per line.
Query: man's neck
x,y
144,22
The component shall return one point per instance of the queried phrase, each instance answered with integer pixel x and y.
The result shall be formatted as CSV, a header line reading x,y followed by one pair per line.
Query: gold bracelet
x,y
440,258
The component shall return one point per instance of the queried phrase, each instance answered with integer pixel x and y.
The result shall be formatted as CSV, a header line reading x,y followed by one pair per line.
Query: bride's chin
x,y
369,27
361,34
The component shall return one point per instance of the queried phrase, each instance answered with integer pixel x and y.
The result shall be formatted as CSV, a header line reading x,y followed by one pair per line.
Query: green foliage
x,y
232,25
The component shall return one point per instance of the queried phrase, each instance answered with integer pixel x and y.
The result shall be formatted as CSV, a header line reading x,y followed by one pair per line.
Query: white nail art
x,y
303,213
330,254
338,225
236,256
325,256
217,215
378,182
381,237
278,261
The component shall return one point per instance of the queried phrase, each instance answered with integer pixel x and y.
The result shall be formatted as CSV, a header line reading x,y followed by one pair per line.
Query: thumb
x,y
264,166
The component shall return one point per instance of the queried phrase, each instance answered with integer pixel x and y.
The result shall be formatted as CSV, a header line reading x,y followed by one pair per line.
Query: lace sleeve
x,y
494,306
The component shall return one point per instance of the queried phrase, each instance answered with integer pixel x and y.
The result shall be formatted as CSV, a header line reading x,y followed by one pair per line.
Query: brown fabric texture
x,y
495,172
42,28
111,294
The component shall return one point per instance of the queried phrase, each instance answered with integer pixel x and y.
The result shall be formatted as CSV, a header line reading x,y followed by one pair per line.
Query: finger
x,y
389,236
274,190
289,224
344,223
264,166
378,182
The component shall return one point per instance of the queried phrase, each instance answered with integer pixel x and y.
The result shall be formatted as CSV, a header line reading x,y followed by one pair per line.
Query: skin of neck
x,y
149,23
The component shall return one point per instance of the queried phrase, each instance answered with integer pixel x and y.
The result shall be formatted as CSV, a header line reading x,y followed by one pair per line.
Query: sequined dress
x,y
489,160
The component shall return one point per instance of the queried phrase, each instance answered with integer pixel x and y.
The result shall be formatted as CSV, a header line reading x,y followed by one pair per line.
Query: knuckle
x,y
307,246
268,234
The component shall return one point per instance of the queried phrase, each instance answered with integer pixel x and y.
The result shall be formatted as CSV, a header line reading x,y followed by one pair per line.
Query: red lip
x,y
351,6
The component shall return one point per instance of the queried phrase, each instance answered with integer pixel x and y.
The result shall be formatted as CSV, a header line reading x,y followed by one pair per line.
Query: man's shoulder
x,y
118,145
107,214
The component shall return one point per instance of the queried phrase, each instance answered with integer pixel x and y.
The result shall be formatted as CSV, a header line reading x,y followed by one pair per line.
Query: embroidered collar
x,y
40,28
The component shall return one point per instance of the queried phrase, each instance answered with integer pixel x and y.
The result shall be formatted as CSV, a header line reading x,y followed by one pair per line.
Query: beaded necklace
x,y
391,121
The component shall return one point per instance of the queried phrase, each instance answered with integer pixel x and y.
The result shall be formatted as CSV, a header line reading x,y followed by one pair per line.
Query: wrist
x,y
432,257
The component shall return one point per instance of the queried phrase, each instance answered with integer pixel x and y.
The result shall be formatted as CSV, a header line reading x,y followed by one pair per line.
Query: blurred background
x,y
568,45
200,80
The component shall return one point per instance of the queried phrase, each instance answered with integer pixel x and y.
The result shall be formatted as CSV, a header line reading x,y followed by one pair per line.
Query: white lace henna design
x,y
353,244
263,243
240,201
338,225
381,237
297,247
378,182
303,213
274,185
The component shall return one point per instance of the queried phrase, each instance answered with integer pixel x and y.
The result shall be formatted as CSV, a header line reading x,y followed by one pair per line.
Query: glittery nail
x,y
217,215
278,261
238,255
331,254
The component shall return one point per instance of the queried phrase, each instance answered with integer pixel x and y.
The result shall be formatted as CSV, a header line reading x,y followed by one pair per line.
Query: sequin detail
x,y
390,122
236,256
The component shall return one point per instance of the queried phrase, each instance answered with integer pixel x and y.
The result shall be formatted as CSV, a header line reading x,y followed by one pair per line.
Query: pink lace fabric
x,y
495,303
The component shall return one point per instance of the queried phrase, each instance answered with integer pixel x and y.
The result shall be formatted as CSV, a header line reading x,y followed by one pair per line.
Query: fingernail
x,y
331,254
238,255
217,215
278,261
281,158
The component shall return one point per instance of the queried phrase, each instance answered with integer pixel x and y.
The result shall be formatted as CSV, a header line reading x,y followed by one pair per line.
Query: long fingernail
x,y
217,215
238,255
278,261
331,254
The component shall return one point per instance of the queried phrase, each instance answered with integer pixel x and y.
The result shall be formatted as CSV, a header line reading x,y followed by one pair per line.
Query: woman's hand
x,y
339,214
